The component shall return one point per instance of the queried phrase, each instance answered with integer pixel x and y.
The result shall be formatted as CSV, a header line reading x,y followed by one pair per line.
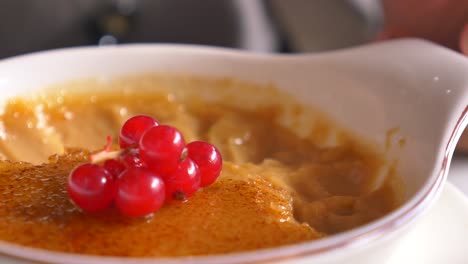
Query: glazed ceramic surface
x,y
417,87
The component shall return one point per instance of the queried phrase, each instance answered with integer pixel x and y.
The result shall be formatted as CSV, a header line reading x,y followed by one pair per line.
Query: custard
x,y
278,186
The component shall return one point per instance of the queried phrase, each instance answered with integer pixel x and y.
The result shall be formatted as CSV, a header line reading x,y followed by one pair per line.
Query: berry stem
x,y
108,144
104,155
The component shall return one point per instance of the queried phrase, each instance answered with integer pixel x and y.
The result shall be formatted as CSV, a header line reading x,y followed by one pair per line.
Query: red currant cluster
x,y
152,166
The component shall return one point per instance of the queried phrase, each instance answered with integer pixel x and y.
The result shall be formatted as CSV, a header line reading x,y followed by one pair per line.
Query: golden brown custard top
x,y
278,186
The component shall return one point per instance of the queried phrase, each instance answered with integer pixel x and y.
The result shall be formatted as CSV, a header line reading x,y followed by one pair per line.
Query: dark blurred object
x,y
319,25
210,22
462,146
32,25
113,22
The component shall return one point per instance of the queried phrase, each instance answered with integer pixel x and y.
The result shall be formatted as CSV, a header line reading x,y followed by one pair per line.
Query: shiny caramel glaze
x,y
277,187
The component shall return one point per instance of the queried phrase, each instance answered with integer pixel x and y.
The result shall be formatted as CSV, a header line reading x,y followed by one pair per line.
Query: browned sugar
x,y
231,215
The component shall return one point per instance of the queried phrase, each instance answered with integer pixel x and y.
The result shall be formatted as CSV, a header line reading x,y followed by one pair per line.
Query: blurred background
x,y
261,26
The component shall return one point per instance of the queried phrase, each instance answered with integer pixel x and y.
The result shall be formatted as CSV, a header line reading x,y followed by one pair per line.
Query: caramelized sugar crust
x,y
231,215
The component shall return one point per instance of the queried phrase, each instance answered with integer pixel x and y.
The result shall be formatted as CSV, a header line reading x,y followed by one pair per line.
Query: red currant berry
x,y
132,159
139,192
133,128
184,182
160,149
91,187
208,160
114,167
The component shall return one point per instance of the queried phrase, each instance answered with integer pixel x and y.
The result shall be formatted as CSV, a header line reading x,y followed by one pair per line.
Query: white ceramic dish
x,y
414,85
440,236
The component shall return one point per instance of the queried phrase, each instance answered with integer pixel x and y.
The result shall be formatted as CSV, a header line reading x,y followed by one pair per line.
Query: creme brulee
x,y
278,185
